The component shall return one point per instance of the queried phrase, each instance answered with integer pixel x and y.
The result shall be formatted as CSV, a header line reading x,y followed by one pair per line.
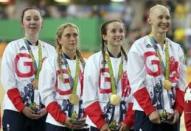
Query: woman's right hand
x,y
72,125
68,123
155,117
28,112
124,127
105,127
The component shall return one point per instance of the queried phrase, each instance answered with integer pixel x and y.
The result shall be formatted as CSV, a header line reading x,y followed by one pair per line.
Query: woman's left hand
x,y
124,127
42,112
176,117
173,118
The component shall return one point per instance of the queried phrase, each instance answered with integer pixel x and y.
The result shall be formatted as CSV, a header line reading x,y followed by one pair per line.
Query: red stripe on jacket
x,y
95,113
143,98
179,101
187,113
15,97
129,116
55,110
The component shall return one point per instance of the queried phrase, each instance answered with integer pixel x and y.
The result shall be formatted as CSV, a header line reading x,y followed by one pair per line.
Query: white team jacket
x,y
53,89
144,72
17,69
97,86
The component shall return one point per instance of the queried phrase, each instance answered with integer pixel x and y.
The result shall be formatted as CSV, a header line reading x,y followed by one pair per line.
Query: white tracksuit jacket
x,y
97,89
145,76
17,72
55,92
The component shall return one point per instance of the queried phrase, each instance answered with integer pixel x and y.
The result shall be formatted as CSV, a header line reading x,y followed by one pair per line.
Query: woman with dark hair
x,y
21,64
107,94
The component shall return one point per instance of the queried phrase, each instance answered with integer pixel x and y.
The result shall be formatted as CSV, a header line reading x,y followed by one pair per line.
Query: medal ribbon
x,y
166,69
37,68
73,82
120,71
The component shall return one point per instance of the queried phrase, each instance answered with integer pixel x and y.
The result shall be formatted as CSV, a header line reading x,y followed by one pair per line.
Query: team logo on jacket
x,y
152,63
153,66
148,46
22,48
24,65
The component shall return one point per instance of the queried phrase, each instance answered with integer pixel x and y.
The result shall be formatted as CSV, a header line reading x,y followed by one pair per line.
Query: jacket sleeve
x,y
129,116
90,93
136,74
95,113
179,104
47,82
187,108
8,77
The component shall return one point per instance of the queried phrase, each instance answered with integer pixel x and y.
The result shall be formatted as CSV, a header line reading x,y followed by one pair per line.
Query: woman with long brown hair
x,y
21,63
107,94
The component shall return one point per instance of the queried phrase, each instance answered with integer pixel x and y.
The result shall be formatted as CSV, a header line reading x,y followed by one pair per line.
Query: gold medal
x,y
167,84
35,84
115,99
74,99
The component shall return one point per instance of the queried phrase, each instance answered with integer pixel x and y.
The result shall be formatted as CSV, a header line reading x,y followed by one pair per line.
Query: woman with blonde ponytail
x,y
61,83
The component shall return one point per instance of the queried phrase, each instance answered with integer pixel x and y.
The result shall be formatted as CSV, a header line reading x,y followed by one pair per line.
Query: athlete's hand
x,y
176,117
75,125
124,127
42,112
105,127
154,117
68,123
28,112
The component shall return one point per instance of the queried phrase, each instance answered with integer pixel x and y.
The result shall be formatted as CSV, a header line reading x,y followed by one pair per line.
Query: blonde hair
x,y
59,50
59,33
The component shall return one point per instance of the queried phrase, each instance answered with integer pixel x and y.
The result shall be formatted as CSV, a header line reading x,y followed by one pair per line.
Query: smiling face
x,y
114,34
31,21
159,19
69,38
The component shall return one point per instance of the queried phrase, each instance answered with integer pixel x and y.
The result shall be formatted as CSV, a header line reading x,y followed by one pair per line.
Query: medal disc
x,y
74,99
167,84
115,99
